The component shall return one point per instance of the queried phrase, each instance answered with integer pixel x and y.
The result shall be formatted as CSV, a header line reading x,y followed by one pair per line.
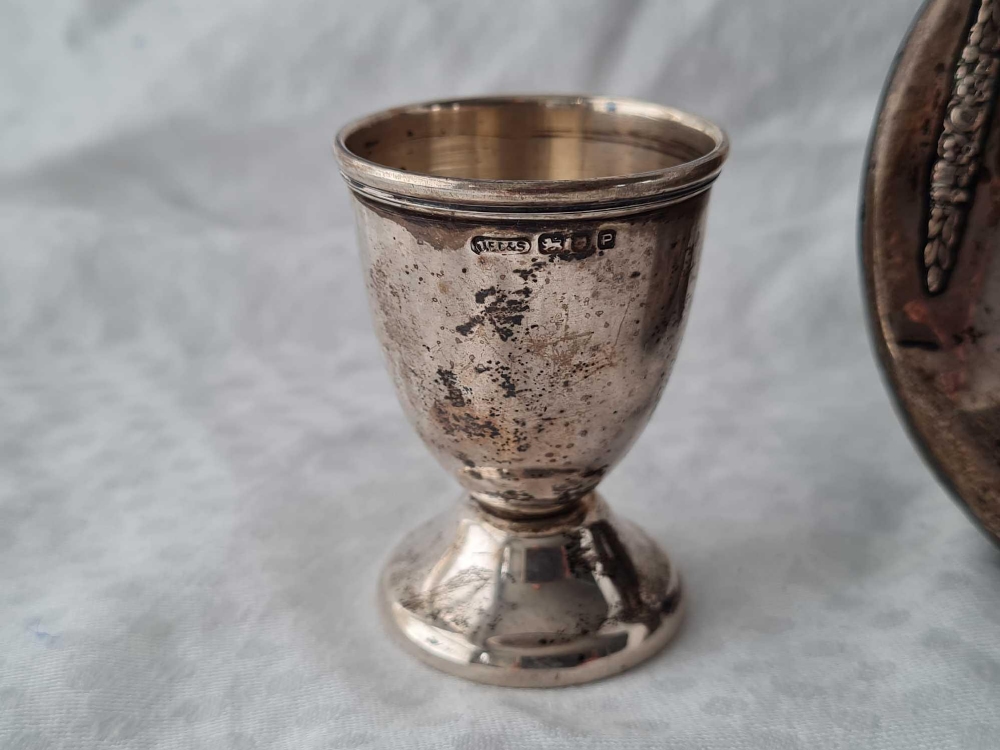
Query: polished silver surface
x,y
529,263
535,603
530,153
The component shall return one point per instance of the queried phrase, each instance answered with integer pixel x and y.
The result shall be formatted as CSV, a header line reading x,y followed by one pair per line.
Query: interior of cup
x,y
526,139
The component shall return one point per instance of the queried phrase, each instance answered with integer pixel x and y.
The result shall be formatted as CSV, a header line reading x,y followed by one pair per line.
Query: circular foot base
x,y
531,604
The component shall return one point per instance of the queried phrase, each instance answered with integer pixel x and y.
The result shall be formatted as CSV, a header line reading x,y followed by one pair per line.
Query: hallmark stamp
x,y
557,243
578,244
501,245
552,242
606,239
574,245
567,245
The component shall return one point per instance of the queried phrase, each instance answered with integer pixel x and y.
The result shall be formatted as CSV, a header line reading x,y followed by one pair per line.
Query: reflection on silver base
x,y
531,604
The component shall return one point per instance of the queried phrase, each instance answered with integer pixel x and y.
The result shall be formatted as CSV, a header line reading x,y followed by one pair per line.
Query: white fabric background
x,y
202,464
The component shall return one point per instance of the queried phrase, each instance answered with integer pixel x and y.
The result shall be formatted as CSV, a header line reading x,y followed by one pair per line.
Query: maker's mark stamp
x,y
501,245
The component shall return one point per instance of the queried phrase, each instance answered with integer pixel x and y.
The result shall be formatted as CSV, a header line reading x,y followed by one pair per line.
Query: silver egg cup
x,y
529,263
